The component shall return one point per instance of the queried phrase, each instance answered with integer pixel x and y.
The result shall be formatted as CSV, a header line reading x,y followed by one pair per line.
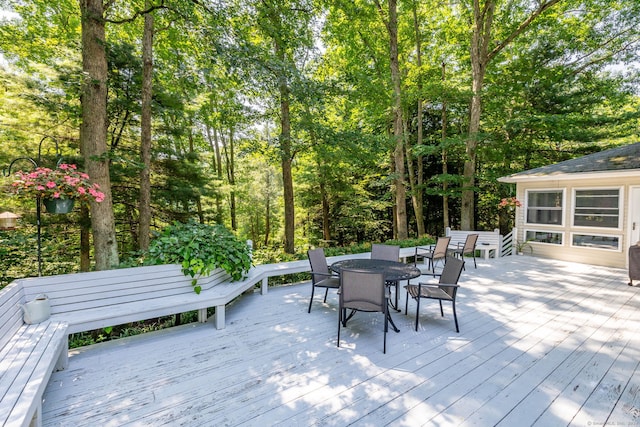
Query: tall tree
x,y
93,132
144,208
390,19
285,25
483,50
417,192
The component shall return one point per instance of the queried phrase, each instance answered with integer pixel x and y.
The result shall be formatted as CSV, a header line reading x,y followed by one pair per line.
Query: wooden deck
x,y
542,342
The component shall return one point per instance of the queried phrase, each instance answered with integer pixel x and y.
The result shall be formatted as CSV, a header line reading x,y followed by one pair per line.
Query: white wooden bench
x,y
28,356
487,240
98,299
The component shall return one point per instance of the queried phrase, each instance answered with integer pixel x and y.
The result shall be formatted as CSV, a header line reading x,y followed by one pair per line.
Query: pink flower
x,y
65,182
510,202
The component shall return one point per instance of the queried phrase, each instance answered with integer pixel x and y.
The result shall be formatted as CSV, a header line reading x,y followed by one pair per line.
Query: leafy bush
x,y
200,249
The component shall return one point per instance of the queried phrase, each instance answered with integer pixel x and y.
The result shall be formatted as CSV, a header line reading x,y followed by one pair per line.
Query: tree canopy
x,y
297,123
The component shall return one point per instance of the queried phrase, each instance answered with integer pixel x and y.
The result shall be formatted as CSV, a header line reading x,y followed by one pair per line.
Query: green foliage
x,y
18,248
547,97
200,249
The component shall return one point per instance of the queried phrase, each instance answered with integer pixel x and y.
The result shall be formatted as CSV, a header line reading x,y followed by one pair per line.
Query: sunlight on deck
x,y
541,342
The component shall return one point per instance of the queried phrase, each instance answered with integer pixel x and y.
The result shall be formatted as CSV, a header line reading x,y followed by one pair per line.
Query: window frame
x,y
535,242
563,210
592,227
591,248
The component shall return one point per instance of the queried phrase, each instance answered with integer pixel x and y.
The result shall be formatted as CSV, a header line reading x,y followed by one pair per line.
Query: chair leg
x,y
326,292
339,324
474,260
395,305
406,303
386,328
313,288
455,317
441,312
417,311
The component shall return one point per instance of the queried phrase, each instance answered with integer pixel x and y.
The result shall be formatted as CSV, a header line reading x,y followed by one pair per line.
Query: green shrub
x,y
200,249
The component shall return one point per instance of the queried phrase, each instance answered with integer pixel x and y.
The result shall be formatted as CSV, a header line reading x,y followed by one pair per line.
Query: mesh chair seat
x,y
331,282
426,291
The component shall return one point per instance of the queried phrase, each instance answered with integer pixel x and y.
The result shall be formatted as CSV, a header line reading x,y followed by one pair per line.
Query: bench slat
x,y
26,369
10,312
487,240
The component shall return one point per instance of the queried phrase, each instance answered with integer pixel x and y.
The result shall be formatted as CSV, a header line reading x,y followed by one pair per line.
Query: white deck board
x,y
541,342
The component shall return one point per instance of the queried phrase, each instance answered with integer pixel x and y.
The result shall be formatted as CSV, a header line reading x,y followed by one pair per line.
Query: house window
x,y
593,241
543,237
597,208
544,207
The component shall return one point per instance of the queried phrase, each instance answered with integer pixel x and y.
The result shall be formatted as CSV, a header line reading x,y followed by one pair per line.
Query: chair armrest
x,y
432,274
331,272
437,285
322,274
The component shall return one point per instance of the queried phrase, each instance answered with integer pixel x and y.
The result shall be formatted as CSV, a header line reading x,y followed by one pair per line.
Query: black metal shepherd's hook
x,y
7,173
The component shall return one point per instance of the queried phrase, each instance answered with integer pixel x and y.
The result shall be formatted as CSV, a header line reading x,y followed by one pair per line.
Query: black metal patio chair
x,y
321,277
445,290
387,253
362,291
433,253
468,248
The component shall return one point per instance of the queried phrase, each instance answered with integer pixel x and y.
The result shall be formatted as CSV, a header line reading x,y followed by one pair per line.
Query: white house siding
x,y
570,182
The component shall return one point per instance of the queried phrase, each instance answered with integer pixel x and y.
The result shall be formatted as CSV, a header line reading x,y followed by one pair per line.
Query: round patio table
x,y
392,271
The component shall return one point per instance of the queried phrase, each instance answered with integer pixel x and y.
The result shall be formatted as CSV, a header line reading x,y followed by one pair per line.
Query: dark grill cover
x,y
634,264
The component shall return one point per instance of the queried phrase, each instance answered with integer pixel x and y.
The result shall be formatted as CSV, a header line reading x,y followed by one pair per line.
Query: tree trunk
x,y
94,130
286,159
398,153
445,161
217,166
85,238
413,186
267,219
326,230
232,179
144,209
417,192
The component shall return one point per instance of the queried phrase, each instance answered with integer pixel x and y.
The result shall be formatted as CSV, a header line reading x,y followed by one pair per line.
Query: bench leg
x,y
219,316
202,315
36,421
63,359
264,286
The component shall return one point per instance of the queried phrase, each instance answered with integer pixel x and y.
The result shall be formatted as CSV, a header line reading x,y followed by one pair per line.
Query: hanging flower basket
x,y
58,206
66,183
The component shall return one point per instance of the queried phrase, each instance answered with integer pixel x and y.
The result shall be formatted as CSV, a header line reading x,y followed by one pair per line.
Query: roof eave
x,y
515,178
